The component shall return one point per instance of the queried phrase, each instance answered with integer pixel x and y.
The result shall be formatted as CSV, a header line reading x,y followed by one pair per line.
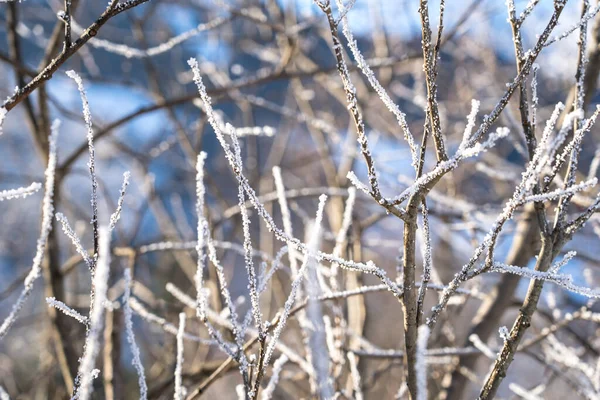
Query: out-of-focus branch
x,y
57,62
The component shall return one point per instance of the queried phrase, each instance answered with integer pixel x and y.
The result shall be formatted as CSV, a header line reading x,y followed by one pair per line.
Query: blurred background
x,y
267,64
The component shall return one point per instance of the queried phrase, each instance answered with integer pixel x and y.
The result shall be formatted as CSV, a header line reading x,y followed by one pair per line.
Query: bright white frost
x,y
179,390
116,215
87,116
421,362
368,267
74,239
202,232
21,192
3,113
62,307
135,350
47,214
267,392
92,341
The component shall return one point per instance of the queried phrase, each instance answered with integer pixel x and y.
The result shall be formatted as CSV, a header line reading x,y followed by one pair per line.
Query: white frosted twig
x,y
46,226
448,165
135,350
267,392
248,259
179,395
471,120
369,267
315,331
114,218
59,305
370,75
285,216
484,348
427,258
522,392
20,192
555,268
92,345
297,281
243,131
534,94
166,326
562,280
421,362
238,332
87,116
528,182
228,348
341,236
582,22
60,217
353,361
202,232
594,165
131,52
543,154
218,319
357,183
344,11
562,133
3,113
555,194
528,9
320,124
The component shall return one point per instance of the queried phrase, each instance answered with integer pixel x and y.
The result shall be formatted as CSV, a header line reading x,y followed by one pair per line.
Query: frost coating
x,y
21,192
179,390
135,350
47,214
3,113
92,342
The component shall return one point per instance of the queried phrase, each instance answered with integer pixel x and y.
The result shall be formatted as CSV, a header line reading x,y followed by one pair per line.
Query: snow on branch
x,y
168,327
20,192
132,52
368,267
202,232
135,350
563,280
74,239
582,22
114,218
47,215
87,116
59,305
370,75
92,342
312,249
267,392
421,362
3,113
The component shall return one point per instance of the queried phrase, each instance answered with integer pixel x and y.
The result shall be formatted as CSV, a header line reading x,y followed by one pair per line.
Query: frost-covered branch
x,y
46,226
96,318
21,192
135,350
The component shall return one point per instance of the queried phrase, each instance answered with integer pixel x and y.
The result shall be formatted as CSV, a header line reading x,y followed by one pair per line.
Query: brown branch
x,y
523,321
57,62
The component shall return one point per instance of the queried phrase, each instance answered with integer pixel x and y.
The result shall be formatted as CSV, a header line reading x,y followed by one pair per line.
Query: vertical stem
x,y
409,296
521,324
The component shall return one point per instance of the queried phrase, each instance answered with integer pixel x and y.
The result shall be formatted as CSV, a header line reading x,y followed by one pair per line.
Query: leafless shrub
x,y
151,305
